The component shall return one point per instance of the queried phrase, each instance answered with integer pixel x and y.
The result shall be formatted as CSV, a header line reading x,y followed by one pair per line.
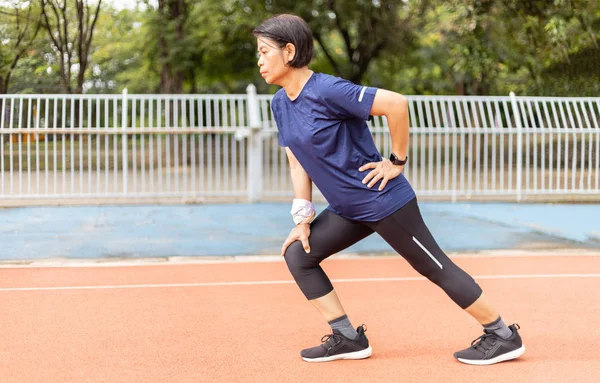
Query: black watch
x,y
396,161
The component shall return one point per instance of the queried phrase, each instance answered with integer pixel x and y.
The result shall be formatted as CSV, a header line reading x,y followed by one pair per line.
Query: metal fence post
x,y
515,106
124,111
255,146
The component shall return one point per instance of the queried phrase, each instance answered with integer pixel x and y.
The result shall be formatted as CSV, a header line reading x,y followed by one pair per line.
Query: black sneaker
x,y
490,348
336,346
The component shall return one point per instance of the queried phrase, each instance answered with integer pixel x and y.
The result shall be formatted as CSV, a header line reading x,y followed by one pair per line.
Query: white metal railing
x,y
503,147
225,146
65,146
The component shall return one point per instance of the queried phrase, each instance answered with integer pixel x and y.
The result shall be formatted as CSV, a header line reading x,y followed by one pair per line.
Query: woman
x,y
322,125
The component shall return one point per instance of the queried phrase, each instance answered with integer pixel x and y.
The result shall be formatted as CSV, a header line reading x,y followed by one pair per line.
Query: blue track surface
x,y
257,229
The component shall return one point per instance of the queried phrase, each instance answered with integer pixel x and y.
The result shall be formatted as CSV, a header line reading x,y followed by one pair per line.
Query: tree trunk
x,y
171,79
4,84
460,88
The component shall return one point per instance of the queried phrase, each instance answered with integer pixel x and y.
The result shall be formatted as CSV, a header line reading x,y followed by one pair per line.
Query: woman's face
x,y
272,60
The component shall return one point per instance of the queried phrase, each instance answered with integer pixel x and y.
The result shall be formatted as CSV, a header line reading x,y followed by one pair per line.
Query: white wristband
x,y
303,211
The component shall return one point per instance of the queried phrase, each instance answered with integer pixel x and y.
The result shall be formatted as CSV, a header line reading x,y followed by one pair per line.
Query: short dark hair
x,y
289,29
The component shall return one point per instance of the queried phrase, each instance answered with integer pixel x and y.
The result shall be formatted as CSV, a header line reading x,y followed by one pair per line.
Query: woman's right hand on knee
x,y
299,233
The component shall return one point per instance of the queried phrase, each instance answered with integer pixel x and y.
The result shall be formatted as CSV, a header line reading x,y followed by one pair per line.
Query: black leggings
x,y
404,230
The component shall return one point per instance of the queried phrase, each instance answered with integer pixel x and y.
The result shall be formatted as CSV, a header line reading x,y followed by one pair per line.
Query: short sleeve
x,y
348,100
280,134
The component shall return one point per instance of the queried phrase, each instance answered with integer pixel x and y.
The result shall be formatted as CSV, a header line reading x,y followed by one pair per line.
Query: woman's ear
x,y
289,52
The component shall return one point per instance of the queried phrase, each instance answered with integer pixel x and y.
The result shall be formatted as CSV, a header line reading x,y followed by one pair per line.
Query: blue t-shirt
x,y
325,128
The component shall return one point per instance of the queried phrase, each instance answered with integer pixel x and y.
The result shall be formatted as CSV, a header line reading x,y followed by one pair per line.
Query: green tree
x,y
494,47
120,59
70,26
19,26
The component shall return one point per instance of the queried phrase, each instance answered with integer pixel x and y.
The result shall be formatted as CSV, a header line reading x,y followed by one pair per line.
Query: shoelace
x,y
330,340
485,342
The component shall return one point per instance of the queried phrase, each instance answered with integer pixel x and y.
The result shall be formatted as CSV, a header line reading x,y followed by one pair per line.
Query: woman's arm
x,y
302,191
394,107
300,180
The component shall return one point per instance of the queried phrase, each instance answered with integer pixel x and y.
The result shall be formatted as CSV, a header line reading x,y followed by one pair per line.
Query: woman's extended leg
x,y
407,233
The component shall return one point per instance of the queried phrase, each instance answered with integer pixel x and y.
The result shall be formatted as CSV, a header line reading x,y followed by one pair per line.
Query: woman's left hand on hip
x,y
384,170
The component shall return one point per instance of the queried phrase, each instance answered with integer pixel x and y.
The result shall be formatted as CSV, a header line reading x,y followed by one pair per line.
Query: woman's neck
x,y
295,82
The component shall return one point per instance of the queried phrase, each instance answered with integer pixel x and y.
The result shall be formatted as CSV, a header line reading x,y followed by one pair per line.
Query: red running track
x,y
247,322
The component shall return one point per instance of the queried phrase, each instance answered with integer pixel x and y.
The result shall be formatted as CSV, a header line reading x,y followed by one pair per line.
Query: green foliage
x,y
19,27
121,59
531,47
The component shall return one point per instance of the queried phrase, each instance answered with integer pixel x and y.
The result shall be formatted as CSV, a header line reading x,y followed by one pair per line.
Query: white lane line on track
x,y
284,282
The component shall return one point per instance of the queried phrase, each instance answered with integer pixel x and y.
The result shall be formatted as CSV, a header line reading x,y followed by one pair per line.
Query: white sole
x,y
500,358
362,354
